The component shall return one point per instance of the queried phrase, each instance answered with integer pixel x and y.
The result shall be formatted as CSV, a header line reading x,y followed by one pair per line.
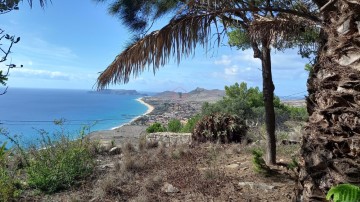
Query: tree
x,y
174,125
6,51
192,25
330,149
5,7
330,146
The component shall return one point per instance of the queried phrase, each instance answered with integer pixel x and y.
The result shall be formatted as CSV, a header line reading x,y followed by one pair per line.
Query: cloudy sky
x,y
66,44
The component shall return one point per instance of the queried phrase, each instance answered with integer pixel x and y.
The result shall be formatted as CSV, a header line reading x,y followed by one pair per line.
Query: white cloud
x,y
39,49
40,74
232,71
225,60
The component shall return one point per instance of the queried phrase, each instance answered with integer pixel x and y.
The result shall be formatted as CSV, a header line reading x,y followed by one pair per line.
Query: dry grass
x,y
199,173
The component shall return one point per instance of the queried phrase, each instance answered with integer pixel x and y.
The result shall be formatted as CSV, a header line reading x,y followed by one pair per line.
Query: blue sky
x,y
66,44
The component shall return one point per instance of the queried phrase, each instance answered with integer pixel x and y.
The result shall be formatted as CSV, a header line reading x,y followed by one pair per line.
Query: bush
x,y
8,188
259,163
174,125
155,127
297,113
191,123
223,128
60,163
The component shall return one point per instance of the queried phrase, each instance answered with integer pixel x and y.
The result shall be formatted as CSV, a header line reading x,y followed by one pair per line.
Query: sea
x,y
25,114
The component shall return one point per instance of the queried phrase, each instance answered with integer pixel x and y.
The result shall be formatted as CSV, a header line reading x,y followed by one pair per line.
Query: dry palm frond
x,y
42,2
179,38
279,29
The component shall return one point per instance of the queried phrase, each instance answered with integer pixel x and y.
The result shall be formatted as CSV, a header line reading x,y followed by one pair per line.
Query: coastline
x,y
123,133
148,111
150,107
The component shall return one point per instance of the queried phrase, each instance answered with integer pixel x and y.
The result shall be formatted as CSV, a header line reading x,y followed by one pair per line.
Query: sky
x,y
67,44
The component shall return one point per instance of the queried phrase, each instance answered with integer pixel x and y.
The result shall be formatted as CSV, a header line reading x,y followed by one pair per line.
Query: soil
x,y
204,172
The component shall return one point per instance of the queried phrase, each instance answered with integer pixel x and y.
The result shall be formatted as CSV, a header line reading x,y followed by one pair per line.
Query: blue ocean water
x,y
25,111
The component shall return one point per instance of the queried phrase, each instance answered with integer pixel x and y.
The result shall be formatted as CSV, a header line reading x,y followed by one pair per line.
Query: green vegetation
x,y
219,127
60,163
259,162
8,185
174,126
190,124
248,103
155,127
344,193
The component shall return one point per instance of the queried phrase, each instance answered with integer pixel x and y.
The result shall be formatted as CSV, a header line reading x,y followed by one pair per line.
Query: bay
x,y
24,112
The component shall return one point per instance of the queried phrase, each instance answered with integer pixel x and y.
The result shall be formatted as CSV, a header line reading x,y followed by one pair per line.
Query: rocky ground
x,y
182,172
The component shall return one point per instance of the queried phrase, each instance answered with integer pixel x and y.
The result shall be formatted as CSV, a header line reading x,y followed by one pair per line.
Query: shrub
x,y
190,124
155,127
297,113
59,164
8,188
259,163
223,128
174,125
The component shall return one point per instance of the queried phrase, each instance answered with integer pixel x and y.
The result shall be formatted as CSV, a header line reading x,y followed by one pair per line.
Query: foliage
x,y
10,5
344,193
248,103
219,127
190,124
309,68
294,164
296,113
174,125
60,163
155,127
239,38
259,162
8,188
137,14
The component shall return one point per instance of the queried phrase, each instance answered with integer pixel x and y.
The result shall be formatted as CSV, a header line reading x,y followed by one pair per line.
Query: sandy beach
x,y
125,132
150,107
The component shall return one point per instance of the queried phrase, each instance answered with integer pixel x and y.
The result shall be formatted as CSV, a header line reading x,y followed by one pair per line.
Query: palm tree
x,y
189,27
330,147
331,143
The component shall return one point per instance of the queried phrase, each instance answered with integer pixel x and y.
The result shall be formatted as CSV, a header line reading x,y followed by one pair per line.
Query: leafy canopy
x,y
249,104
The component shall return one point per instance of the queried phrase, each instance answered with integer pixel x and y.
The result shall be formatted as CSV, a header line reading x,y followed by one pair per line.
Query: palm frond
x,y
280,30
43,3
179,39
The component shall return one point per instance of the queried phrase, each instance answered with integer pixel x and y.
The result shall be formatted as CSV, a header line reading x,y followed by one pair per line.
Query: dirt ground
x,y
205,172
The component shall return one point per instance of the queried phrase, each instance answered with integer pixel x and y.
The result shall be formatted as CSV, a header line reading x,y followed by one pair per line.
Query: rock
x,y
110,165
115,151
253,185
169,188
232,166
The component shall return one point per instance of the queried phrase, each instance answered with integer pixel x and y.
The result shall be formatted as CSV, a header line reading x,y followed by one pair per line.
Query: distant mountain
x,y
118,92
196,95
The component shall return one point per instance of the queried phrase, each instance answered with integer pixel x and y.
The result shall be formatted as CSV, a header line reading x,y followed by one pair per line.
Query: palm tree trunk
x,y
268,93
331,143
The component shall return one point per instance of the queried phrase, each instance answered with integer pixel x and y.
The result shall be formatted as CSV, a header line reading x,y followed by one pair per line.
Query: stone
x,y
232,166
115,151
110,165
169,188
253,185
